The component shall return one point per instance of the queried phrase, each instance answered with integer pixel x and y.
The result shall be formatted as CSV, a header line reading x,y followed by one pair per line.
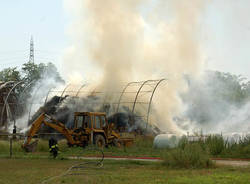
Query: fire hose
x,y
79,168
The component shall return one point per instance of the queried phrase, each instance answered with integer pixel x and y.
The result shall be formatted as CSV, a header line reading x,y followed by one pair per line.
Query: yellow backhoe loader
x,y
89,128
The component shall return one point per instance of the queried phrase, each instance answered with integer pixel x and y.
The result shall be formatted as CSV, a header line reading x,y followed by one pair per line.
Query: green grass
x,y
142,147
215,146
34,171
35,167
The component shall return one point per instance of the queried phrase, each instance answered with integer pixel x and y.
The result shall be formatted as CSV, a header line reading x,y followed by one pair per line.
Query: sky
x,y
225,33
43,19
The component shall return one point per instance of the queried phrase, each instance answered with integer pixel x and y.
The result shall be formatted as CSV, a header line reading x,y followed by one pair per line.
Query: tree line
x,y
30,72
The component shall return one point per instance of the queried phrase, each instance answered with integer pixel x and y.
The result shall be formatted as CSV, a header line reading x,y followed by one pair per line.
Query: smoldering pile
x,y
63,108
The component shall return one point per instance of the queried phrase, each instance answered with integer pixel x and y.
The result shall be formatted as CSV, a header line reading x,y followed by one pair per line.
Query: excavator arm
x,y
43,119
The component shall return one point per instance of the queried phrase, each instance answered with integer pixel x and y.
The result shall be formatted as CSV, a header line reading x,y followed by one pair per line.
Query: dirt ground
x,y
234,163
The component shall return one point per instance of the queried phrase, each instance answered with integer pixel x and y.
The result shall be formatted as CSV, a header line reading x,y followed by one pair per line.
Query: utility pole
x,y
31,59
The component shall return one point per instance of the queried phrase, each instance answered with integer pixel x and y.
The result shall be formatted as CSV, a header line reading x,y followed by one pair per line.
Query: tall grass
x,y
217,146
187,156
197,154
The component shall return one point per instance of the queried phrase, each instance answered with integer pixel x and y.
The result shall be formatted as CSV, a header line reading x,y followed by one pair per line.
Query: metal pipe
x,y
123,91
151,98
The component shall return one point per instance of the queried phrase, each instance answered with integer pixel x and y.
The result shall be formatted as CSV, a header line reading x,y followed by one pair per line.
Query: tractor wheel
x,y
99,141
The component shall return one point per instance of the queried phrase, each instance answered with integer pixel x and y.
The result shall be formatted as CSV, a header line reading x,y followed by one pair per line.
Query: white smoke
x,y
39,93
120,41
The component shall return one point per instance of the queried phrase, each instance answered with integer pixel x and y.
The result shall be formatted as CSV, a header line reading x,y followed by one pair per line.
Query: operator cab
x,y
91,120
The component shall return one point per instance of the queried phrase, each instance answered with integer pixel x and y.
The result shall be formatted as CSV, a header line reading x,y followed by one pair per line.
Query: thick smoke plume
x,y
216,103
115,41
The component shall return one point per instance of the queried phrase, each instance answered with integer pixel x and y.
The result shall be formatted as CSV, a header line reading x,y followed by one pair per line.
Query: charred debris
x,y
63,108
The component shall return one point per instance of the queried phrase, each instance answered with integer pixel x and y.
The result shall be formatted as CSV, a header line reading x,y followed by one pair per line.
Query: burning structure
x,y
128,109
107,39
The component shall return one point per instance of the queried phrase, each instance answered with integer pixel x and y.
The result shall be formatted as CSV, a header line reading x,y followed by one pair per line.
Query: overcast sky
x,y
225,33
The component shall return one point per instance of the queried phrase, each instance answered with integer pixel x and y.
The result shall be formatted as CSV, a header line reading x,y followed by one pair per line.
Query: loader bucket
x,y
30,147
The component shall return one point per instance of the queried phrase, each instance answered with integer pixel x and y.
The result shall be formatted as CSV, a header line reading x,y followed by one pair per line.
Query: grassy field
x,y
39,166
34,171
143,146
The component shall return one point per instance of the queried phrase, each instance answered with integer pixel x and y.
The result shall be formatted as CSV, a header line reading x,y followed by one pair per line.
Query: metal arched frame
x,y
79,90
138,92
151,98
122,93
64,92
6,100
47,96
24,90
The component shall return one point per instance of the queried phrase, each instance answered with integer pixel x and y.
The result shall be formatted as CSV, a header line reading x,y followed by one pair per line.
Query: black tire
x,y
100,141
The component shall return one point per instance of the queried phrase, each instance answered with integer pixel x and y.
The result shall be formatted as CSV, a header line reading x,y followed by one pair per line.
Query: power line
x,y
25,51
23,60
20,60
12,51
13,58
9,63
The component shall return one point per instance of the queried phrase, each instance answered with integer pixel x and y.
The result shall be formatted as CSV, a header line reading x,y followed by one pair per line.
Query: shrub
x,y
215,144
183,142
191,156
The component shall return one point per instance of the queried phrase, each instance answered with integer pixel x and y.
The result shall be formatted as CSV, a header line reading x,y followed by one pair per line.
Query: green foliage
x,y
34,72
215,144
240,149
31,72
183,142
190,156
10,74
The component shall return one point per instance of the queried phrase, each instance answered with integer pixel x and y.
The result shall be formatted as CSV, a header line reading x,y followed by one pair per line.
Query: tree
x,y
35,72
32,71
10,74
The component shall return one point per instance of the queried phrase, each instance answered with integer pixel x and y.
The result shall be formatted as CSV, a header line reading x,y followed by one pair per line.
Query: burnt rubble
x,y
62,109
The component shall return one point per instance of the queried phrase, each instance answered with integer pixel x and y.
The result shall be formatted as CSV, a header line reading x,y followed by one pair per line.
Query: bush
x,y
215,144
191,156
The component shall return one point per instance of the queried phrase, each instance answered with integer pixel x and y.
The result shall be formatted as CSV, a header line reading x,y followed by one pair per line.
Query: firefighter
x,y
53,147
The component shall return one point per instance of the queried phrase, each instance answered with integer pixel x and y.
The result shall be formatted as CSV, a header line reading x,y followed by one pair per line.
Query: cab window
x,y
86,122
91,118
79,121
103,121
97,122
